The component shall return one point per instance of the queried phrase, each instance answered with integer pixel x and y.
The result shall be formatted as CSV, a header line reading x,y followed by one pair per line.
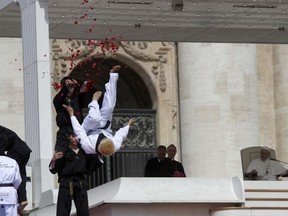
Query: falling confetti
x,y
107,46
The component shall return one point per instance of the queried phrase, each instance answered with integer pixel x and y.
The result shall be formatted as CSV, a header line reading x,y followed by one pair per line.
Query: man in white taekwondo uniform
x,y
95,134
10,180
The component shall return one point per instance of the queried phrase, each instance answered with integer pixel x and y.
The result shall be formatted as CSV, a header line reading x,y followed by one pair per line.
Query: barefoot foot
x,y
97,95
115,69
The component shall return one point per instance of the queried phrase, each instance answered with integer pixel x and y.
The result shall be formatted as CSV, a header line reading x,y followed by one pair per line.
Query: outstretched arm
x,y
121,134
84,140
131,121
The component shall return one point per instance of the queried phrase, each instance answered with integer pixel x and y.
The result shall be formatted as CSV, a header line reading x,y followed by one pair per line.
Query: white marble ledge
x,y
250,212
266,185
169,190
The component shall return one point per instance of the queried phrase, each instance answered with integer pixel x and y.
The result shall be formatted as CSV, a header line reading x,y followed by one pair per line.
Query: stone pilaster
x,y
267,130
280,65
37,92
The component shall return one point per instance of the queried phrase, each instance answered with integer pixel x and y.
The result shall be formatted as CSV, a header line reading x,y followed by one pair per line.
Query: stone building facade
x,y
211,100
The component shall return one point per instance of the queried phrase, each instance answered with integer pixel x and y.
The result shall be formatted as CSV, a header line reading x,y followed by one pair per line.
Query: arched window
x,y
132,93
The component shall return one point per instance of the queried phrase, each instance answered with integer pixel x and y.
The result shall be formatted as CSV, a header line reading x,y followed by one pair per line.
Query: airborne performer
x,y
95,134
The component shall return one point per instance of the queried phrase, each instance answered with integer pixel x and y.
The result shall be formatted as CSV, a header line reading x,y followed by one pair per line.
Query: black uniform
x,y
19,151
62,117
71,169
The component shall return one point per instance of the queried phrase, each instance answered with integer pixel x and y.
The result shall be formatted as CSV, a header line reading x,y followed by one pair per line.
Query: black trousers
x,y
79,196
22,161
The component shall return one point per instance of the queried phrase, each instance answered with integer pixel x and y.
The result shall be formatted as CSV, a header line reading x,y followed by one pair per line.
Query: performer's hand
x,y
69,109
115,68
84,87
131,121
57,155
97,95
253,173
70,82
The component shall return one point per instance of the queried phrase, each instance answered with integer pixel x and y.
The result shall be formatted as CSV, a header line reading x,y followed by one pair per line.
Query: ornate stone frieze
x,y
159,57
68,53
142,134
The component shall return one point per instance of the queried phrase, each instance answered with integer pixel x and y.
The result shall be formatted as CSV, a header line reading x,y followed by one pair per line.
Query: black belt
x,y
80,176
106,125
100,137
102,128
6,185
75,182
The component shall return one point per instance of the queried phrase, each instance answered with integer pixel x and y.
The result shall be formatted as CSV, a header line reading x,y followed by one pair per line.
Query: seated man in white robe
x,y
10,179
95,134
264,168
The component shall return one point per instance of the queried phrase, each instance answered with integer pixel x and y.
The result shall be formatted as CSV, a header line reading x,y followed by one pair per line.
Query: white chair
x,y
249,154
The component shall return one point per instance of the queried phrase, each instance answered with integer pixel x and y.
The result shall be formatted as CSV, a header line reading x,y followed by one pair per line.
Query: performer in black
x,y
71,168
153,165
69,94
18,150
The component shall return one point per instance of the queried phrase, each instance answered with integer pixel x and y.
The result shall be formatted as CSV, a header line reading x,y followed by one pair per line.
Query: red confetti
x,y
57,86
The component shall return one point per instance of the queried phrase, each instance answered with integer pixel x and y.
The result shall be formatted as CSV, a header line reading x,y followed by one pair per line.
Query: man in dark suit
x,y
152,168
18,150
171,167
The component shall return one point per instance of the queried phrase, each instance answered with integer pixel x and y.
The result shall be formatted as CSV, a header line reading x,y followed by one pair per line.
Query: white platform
x,y
169,190
156,196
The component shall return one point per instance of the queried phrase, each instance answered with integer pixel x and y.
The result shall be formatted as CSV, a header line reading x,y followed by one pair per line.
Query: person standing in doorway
x,y
171,167
152,167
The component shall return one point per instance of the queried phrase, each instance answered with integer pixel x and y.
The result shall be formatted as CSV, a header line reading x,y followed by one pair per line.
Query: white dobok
x,y
10,180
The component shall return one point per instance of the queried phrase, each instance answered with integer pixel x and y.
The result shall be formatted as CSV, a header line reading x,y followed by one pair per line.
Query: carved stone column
x,y
218,106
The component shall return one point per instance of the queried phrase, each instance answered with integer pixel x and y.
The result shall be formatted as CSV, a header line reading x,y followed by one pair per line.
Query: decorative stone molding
x,y
76,51
142,135
158,57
